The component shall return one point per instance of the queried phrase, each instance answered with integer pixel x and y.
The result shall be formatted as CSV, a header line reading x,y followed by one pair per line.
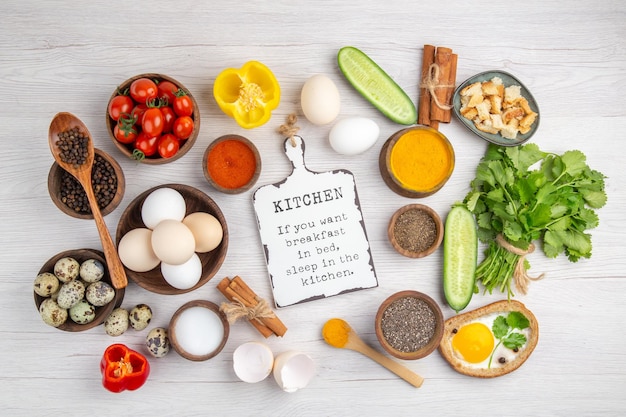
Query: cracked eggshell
x,y
293,370
253,361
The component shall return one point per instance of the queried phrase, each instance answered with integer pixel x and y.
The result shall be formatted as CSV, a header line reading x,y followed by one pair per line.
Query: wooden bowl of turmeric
x,y
232,164
416,162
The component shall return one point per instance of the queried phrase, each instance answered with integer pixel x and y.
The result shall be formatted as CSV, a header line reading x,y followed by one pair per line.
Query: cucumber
x,y
376,86
460,250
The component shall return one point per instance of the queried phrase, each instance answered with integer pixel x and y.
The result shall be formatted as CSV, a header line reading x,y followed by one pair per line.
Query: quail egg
x,y
140,316
117,322
71,293
99,293
66,269
82,312
46,284
91,270
158,342
51,313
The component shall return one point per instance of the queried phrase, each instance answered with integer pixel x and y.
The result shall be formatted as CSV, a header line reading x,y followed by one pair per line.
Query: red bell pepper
x,y
123,368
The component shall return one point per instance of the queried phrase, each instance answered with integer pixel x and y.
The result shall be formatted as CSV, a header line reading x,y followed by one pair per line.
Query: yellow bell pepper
x,y
248,94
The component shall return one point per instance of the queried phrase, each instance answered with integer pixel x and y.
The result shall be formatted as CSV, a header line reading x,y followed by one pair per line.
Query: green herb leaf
x,y
500,327
517,320
514,340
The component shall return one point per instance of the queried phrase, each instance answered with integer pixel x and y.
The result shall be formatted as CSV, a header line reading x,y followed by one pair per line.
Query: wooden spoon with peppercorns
x,y
72,148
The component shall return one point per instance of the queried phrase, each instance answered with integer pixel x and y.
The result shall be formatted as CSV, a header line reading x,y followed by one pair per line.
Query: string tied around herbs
x,y
290,129
522,279
431,83
237,310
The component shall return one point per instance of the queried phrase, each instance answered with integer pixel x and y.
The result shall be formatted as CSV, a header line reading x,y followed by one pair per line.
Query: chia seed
x,y
415,230
408,324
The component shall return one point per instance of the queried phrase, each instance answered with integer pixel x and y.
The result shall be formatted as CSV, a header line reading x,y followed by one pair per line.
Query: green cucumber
x,y
376,86
460,251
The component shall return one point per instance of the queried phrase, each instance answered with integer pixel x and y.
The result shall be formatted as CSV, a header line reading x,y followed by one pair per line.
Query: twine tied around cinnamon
x,y
290,129
522,279
236,310
431,83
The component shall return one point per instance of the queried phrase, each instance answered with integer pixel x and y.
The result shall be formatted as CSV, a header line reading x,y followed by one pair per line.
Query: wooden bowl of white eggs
x,y
172,239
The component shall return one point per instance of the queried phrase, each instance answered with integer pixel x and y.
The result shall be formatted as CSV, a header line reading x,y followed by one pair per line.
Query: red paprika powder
x,y
231,163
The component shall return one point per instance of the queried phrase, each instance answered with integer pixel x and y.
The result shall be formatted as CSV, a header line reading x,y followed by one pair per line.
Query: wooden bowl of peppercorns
x,y
108,183
415,230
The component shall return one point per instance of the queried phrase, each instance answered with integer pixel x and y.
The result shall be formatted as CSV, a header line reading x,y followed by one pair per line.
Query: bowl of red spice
x,y
409,325
232,164
107,179
415,230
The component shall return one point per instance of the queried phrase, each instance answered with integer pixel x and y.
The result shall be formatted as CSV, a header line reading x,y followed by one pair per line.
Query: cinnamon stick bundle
x,y
437,86
245,303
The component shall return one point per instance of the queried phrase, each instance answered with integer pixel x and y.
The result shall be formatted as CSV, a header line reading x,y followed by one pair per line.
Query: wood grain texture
x,y
59,56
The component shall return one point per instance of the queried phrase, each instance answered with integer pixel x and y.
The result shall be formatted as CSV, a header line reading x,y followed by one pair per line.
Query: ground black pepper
x,y
408,324
72,146
103,181
415,230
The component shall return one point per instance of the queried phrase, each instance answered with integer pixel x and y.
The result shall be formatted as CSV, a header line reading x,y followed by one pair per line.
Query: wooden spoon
x,y
60,123
339,334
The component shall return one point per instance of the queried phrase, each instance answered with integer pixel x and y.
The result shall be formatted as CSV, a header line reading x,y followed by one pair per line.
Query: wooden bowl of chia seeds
x,y
108,184
415,230
409,325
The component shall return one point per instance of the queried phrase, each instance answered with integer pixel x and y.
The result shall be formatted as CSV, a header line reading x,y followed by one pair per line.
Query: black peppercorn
x,y
72,145
103,181
502,360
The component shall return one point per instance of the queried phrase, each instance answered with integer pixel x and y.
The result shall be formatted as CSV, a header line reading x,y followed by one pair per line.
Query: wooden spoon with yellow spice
x,y
72,148
339,334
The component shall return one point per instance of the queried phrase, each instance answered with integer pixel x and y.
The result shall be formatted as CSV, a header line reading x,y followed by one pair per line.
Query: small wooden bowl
x,y
409,186
211,261
233,161
393,238
55,183
174,337
185,145
437,332
81,255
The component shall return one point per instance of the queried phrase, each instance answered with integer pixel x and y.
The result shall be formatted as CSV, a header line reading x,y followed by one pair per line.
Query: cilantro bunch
x,y
517,205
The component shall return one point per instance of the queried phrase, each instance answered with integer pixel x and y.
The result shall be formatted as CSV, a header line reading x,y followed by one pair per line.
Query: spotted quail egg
x,y
82,312
140,316
117,322
91,270
71,293
66,269
158,342
46,284
99,293
51,313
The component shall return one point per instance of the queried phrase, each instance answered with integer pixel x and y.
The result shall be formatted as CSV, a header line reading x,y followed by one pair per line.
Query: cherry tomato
x,y
183,106
168,145
168,119
124,135
145,144
143,89
167,89
119,105
183,127
138,112
152,122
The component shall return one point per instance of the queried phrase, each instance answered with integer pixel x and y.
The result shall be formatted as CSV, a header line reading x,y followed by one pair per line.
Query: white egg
x,y
353,135
320,100
173,242
293,370
161,204
135,250
253,361
183,276
206,230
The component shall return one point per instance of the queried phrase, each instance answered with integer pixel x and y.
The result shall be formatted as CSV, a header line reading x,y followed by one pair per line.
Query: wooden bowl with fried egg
x,y
490,341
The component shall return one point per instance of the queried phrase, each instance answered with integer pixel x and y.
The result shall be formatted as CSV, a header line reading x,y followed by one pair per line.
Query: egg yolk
x,y
474,342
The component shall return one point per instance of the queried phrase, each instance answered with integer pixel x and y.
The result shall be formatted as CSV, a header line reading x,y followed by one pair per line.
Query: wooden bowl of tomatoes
x,y
153,118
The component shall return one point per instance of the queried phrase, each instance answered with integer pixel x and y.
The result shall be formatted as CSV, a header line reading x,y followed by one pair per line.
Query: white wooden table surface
x,y
69,56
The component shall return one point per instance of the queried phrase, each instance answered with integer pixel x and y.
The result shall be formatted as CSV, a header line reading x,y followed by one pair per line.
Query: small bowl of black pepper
x,y
107,179
409,325
415,230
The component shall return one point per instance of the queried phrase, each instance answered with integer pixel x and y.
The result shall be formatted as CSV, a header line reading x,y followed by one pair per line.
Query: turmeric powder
x,y
335,332
421,159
